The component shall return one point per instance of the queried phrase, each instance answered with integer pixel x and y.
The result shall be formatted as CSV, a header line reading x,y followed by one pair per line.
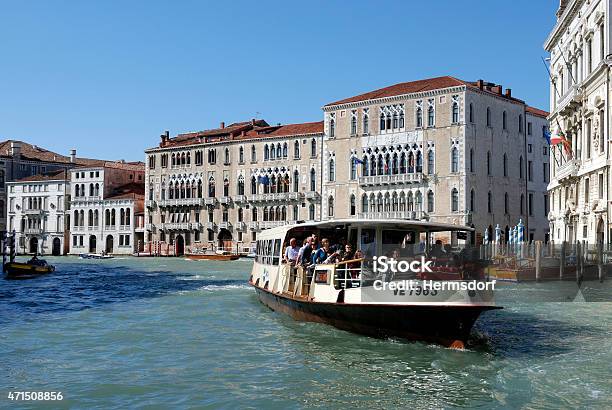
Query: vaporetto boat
x,y
438,305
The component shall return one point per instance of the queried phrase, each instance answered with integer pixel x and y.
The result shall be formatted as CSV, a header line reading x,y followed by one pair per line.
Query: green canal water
x,y
172,333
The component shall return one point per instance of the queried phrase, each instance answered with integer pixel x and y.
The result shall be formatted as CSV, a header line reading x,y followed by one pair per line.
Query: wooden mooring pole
x,y
562,260
538,260
600,265
579,261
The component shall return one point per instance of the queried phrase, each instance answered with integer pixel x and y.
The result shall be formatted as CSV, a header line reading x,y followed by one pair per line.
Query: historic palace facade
x,y
580,111
442,149
218,188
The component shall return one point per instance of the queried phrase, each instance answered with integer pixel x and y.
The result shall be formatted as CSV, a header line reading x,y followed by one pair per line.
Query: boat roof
x,y
421,226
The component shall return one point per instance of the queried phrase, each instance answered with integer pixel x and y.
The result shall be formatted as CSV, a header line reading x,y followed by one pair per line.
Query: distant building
x,y
218,188
580,60
444,149
19,159
107,208
37,208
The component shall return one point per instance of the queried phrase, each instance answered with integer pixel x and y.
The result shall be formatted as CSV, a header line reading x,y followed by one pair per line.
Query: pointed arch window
x,y
332,128
296,181
454,200
352,206
488,117
430,201
455,112
313,148
211,187
366,122
266,152
505,165
354,123
353,173
332,170
285,150
431,114
311,212
419,114
241,155
471,160
364,203
504,123
313,180
471,113
489,202
472,201
240,185
253,153
430,162
454,160
296,149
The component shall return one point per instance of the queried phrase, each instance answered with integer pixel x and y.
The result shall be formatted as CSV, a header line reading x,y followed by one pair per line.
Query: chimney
x,y
15,148
164,138
479,83
508,92
252,121
222,125
72,155
497,89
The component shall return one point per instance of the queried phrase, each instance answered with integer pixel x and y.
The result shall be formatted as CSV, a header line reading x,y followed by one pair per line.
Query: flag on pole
x,y
357,160
559,138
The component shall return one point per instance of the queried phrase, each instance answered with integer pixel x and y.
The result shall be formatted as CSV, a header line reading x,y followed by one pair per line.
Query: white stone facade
x,y
36,209
579,101
103,219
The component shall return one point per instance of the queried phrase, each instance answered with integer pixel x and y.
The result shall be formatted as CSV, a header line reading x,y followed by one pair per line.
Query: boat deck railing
x,y
347,274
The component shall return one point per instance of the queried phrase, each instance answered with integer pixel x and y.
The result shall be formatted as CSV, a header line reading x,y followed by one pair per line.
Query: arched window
x,y
211,187
189,158
332,128
471,160
285,150
97,190
127,216
279,152
225,187
471,113
296,212
454,160
430,201
402,202
410,162
401,119
455,112
419,162
332,170
505,165
402,163
91,189
113,219
419,117
410,201
430,162
240,185
506,203
77,191
454,200
241,155
366,123
296,181
200,193
352,206
520,123
395,121
364,203
382,121
266,152
311,212
488,162
430,116
253,185
394,202
296,149
472,201
488,117
254,214
387,203
253,153
379,202
226,159
266,215
418,201
489,202
90,218
353,125
313,180
504,125
173,159
313,148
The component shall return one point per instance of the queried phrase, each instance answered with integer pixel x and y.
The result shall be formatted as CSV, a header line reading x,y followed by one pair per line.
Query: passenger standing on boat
x,y
436,250
321,254
291,252
305,252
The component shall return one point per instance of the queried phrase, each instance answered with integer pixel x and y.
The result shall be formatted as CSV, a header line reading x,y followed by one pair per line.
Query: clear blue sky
x,y
107,77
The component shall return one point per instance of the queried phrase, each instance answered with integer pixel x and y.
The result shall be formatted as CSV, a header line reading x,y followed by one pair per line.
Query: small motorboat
x,y
95,256
30,269
214,256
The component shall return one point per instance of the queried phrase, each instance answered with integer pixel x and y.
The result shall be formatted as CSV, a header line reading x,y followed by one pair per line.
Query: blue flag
x,y
547,136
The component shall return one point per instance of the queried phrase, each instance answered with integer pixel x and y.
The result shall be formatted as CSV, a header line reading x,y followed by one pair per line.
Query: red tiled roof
x,y
35,153
404,88
230,129
537,112
48,176
128,166
284,130
427,84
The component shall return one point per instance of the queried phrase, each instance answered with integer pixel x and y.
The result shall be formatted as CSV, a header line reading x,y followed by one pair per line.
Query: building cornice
x,y
394,98
234,141
566,18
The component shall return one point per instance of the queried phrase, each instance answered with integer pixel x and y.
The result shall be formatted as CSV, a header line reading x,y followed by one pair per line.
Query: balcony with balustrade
x,y
570,100
240,199
225,200
149,227
254,226
211,226
33,231
409,215
567,170
396,179
210,201
175,226
150,203
241,226
162,203
313,196
226,225
34,211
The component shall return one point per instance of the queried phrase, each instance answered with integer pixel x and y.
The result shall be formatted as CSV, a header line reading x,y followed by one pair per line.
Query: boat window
x,y
268,260
368,242
277,250
398,243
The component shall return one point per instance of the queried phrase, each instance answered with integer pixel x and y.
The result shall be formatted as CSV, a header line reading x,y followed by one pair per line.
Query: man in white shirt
x,y
291,252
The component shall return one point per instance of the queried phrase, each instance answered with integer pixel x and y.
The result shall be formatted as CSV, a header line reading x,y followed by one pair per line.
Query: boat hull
x,y
213,257
15,270
445,325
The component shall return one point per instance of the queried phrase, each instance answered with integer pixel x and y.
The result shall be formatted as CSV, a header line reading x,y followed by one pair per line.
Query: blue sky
x,y
108,77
